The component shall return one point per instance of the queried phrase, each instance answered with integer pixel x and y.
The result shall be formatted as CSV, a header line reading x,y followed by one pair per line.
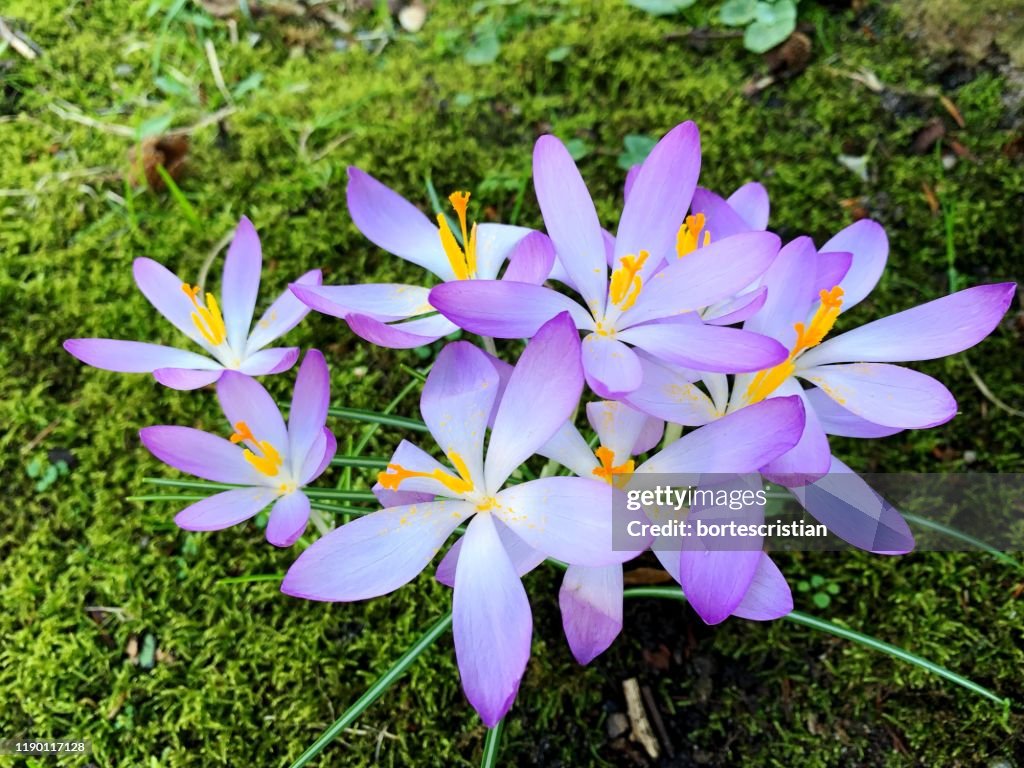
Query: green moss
x,y
247,677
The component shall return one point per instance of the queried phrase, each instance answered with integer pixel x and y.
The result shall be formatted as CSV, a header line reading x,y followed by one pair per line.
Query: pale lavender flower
x,y
271,462
226,337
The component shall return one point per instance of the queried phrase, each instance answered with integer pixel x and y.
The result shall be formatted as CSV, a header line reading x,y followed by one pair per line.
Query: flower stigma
x,y
461,258
766,382
207,317
614,475
626,284
395,474
268,462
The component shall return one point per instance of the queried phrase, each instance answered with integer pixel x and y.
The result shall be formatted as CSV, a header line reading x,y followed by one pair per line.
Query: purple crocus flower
x,y
272,462
716,583
225,336
656,288
857,391
400,316
555,516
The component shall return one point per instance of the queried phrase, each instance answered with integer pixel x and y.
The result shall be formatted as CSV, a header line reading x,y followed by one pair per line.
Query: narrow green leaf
x,y
366,462
179,197
492,745
387,420
674,593
384,682
924,522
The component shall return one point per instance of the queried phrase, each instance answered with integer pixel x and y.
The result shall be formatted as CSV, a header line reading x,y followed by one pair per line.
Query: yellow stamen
x,y
269,463
207,318
462,259
396,473
689,235
609,472
767,381
626,284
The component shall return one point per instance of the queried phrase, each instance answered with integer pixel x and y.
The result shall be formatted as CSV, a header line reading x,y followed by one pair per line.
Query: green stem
x,y
674,593
372,417
492,745
332,493
672,433
366,462
439,627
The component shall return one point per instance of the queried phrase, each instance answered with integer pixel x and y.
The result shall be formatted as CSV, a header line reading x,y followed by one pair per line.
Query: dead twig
x,y
16,42
642,732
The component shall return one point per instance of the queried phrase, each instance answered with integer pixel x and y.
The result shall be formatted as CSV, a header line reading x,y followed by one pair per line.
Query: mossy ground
x,y
246,677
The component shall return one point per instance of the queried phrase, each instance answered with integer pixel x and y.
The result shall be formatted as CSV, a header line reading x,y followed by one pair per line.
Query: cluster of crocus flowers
x,y
693,314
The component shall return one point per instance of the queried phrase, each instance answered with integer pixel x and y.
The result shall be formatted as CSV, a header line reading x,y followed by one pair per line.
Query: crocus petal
x,y
889,395
867,242
531,260
456,402
569,449
706,347
751,202
319,457
667,393
163,289
650,435
523,557
491,623
242,398
135,356
381,301
768,597
495,243
405,335
837,420
375,554
540,396
618,427
790,284
571,220
721,219
393,223
503,308
310,399
936,329
660,196
715,582
201,454
708,275
854,512
241,282
612,369
810,458
224,509
743,441
267,361
568,518
829,270
184,378
591,604
737,310
284,314
288,519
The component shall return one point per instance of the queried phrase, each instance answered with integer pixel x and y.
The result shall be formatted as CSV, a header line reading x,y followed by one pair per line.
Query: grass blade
x,y
366,462
381,419
384,682
674,593
966,538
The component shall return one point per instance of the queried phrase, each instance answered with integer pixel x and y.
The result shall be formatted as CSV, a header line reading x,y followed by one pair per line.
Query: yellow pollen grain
x,y
268,461
807,336
609,472
207,318
626,284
